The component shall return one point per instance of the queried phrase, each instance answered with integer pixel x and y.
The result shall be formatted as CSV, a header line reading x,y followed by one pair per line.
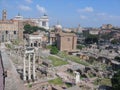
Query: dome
x,y
58,27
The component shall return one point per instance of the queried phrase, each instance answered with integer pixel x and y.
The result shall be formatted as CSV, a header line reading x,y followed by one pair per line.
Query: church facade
x,y
64,41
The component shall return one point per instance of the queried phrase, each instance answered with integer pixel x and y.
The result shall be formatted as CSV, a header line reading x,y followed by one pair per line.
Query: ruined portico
x,y
29,64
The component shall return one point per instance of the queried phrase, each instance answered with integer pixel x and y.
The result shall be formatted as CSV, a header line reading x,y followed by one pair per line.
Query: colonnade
x,y
29,66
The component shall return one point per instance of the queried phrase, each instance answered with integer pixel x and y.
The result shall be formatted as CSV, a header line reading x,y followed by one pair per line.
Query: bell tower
x,y
4,15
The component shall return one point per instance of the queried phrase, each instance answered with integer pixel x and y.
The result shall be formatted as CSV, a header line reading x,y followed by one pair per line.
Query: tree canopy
x,y
115,41
80,47
54,50
91,39
116,81
30,29
117,58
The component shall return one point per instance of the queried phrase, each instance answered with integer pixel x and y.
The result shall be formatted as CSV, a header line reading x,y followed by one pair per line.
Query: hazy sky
x,y
69,13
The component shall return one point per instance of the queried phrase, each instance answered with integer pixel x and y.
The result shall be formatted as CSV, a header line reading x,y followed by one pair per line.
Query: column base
x,y
30,80
25,81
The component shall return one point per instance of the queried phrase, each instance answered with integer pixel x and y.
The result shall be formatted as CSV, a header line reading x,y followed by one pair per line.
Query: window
x,y
6,32
43,23
14,32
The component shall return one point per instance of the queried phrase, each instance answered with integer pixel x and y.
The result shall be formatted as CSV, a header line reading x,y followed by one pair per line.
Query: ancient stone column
x,y
77,77
24,67
34,75
29,67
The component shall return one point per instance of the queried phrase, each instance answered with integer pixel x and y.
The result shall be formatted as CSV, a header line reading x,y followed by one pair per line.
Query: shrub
x,y
54,50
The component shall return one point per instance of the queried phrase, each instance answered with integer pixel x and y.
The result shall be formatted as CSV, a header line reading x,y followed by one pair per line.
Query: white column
x,y
29,67
34,75
77,77
47,25
24,68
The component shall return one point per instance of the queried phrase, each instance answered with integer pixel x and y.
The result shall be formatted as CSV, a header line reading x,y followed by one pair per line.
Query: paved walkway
x,y
12,81
1,74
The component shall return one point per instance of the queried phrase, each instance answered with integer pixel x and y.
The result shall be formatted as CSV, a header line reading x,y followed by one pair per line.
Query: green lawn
x,y
77,60
68,85
8,46
103,81
72,58
57,81
57,61
106,82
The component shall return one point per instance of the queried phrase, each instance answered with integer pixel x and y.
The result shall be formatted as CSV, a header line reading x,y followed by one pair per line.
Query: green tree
x,y
54,50
91,39
116,81
80,47
34,28
106,36
115,41
117,58
42,29
53,30
30,29
27,28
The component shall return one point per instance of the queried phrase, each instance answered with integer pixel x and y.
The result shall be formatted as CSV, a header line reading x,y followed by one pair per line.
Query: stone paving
x,y
1,74
12,81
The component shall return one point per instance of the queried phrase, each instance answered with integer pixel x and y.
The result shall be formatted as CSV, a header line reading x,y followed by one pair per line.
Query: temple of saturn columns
x,y
29,65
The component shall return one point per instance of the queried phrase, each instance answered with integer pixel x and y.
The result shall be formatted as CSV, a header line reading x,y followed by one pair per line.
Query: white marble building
x,y
94,31
43,21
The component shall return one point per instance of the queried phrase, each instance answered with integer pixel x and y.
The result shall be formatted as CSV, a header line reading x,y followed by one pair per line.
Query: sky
x,y
69,13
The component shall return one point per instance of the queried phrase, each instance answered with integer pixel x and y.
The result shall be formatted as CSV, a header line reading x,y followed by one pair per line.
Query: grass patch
x,y
72,58
49,47
80,47
15,42
91,75
104,81
29,85
57,61
68,85
9,46
57,81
